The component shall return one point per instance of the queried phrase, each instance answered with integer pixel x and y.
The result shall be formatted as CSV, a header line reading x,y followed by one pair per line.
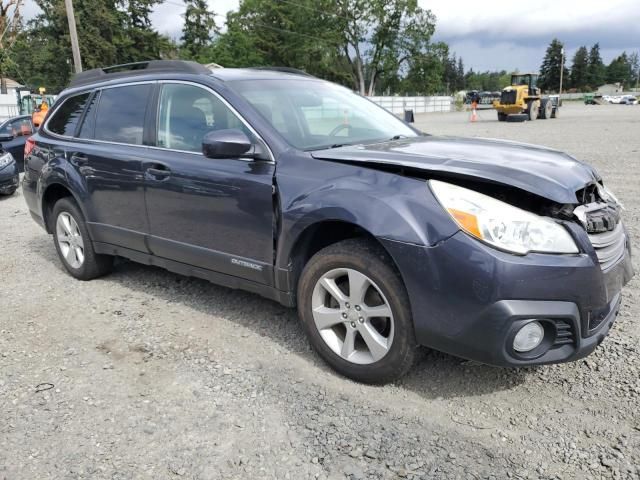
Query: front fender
x,y
385,204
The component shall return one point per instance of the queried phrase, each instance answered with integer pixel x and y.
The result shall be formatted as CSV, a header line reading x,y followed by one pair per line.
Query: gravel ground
x,y
156,376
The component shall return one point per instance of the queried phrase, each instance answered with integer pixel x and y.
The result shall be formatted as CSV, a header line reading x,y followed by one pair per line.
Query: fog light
x,y
528,337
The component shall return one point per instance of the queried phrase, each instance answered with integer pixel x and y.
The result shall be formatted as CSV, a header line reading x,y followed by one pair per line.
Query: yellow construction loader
x,y
523,100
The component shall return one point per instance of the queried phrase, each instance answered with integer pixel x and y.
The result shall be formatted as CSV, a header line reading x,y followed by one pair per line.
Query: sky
x,y
495,35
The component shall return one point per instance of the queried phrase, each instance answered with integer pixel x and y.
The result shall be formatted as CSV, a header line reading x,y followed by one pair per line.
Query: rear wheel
x,y
502,116
73,243
532,110
9,191
555,112
546,108
355,311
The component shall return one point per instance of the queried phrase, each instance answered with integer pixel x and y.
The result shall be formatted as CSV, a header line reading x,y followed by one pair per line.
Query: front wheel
x,y
502,116
73,243
355,311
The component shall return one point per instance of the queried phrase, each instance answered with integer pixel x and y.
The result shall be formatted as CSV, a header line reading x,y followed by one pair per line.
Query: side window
x,y
187,113
21,127
88,127
66,118
121,113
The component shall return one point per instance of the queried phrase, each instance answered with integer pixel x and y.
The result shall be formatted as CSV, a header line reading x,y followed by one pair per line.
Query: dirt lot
x,y
157,376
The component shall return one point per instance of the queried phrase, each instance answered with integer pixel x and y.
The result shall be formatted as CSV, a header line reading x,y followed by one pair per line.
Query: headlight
x,y
5,160
500,224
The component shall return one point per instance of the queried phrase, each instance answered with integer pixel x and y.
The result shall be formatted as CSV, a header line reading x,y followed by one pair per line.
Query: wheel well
x,y
52,194
321,235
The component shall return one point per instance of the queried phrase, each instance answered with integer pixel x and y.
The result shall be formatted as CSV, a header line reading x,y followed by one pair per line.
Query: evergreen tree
x,y
634,63
550,70
580,69
620,70
140,41
460,75
198,30
597,71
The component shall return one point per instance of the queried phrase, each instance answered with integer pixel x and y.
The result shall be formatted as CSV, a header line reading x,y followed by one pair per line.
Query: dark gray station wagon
x,y
301,191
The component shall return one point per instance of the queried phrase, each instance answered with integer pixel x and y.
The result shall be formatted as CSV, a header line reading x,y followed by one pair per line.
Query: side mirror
x,y
231,143
6,137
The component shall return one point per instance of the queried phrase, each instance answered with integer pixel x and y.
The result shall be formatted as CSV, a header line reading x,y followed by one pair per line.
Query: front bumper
x,y
469,299
9,178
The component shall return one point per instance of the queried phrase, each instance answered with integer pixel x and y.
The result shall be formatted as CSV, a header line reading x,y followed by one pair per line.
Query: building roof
x,y
11,83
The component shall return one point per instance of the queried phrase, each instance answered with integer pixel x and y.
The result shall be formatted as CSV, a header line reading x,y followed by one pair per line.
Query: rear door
x,y
107,152
210,213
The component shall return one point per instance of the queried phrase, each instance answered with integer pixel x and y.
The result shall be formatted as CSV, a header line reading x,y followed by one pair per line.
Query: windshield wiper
x,y
397,137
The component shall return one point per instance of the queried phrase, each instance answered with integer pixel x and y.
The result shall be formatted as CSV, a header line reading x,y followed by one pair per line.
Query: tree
x,y
9,28
580,69
620,70
140,41
634,63
108,32
597,71
550,70
380,36
199,27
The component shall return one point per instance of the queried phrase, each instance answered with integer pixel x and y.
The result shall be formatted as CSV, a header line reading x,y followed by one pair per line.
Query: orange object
x,y
474,114
467,221
41,112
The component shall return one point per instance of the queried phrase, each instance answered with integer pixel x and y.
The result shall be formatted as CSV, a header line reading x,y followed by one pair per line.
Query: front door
x,y
213,214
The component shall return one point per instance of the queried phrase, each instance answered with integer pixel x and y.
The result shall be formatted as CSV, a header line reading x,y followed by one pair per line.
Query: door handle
x,y
159,170
78,159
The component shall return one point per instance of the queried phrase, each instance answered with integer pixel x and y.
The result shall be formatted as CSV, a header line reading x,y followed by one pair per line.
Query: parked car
x,y
308,194
13,135
8,173
628,100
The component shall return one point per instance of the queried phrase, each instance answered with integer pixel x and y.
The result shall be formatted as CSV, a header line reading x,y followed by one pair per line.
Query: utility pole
x,y
561,72
75,47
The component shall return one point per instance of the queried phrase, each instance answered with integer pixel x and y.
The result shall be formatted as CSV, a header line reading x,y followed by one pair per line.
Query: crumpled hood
x,y
543,171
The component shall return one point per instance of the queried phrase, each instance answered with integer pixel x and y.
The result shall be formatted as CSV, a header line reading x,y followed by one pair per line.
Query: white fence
x,y
398,105
8,106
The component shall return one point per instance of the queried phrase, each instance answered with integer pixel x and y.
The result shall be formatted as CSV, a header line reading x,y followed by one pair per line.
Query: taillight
x,y
28,147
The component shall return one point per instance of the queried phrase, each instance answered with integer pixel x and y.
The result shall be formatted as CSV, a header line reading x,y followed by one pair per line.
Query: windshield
x,y
312,115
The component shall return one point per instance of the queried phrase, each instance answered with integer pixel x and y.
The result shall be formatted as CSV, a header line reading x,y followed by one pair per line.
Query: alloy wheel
x,y
352,316
70,240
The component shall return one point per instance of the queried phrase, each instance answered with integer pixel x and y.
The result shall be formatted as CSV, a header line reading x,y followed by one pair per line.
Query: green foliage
x,y
580,69
620,71
596,72
199,26
550,70
487,81
110,32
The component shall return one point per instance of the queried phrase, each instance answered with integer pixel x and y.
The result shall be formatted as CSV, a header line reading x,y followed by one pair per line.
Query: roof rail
x,y
138,68
293,71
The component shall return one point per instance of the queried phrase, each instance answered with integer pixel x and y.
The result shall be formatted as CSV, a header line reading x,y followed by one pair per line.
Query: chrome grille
x,y
609,246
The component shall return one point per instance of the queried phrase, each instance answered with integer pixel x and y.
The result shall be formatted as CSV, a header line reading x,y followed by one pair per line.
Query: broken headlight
x,y
502,225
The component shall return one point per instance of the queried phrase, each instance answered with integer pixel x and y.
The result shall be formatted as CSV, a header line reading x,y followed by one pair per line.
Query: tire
x,y
517,117
555,112
67,222
395,332
532,111
546,108
502,116
9,192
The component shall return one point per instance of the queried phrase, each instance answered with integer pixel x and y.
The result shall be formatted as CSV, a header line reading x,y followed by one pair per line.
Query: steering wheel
x,y
339,128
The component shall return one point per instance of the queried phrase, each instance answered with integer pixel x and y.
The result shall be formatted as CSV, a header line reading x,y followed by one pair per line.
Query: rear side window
x,y
121,113
89,124
66,118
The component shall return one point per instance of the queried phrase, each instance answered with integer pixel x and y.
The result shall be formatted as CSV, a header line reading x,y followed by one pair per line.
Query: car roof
x,y
157,68
259,73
